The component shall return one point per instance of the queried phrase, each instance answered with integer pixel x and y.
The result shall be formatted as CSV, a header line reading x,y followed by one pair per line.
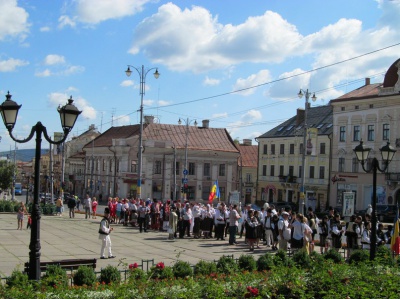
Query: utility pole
x,y
91,171
14,173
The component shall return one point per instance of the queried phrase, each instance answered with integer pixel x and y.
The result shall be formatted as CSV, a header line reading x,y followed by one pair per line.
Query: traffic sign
x,y
185,172
184,181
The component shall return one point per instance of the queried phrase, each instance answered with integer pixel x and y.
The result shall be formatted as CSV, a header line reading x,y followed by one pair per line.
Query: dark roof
x,y
106,138
249,155
199,138
317,117
391,75
366,91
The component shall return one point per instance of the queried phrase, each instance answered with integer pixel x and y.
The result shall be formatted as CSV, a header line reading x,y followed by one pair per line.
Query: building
x,y
248,171
370,113
280,152
211,155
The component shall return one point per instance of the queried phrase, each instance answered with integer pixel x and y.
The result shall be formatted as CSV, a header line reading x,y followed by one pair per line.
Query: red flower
x,y
252,292
160,265
133,266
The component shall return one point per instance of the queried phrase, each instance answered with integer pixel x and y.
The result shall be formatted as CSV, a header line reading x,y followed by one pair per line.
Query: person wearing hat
x,y
284,231
104,234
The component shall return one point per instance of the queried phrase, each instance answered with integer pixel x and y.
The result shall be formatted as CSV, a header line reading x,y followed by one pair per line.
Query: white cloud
x,y
44,73
244,85
13,21
64,21
163,103
219,115
11,64
211,81
73,69
45,29
288,88
246,119
148,102
88,112
121,120
52,59
251,116
127,83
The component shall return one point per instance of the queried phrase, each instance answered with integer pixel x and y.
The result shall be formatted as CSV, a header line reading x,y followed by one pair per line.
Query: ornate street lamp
x,y
142,74
68,115
387,153
303,157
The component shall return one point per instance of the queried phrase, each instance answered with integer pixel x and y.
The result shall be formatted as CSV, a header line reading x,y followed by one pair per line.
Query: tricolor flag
x,y
214,193
395,243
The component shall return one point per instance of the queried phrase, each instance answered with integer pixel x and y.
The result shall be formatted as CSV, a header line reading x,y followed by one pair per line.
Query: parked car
x,y
384,213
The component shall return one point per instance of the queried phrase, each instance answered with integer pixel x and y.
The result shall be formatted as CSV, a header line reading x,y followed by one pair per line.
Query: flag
x,y
214,193
395,242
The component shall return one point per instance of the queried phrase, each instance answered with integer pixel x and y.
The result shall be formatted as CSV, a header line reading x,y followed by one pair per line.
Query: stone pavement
x,y
65,238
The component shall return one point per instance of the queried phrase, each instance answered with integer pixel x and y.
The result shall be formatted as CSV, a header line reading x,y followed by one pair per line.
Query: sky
x,y
239,64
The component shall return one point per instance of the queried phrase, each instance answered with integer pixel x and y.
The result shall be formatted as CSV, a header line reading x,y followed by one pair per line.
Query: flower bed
x,y
297,277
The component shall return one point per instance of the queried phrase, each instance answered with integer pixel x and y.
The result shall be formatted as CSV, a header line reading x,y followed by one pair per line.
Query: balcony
x,y
392,177
287,179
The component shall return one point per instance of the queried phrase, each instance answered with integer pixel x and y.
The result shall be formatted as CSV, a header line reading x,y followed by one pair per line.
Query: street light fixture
x,y
185,171
387,153
303,158
142,74
68,115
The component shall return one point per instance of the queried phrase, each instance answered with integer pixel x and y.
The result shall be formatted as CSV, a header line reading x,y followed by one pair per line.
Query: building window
x,y
206,169
265,149
264,170
342,108
386,132
371,106
311,175
341,164
221,170
111,166
248,177
272,170
97,165
205,191
291,149
356,133
301,148
322,148
177,168
222,193
117,166
371,132
357,107
104,164
354,165
291,170
281,169
272,149
191,168
342,134
300,171
157,167
322,172
282,149
134,167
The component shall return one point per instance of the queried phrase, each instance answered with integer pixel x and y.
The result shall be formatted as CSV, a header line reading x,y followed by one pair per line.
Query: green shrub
x,y
302,259
359,256
55,276
85,276
247,262
205,268
265,262
384,256
17,279
280,258
182,269
160,271
136,274
333,255
110,274
226,265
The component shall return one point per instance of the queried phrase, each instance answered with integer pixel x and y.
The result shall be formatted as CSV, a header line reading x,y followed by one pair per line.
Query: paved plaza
x,y
66,238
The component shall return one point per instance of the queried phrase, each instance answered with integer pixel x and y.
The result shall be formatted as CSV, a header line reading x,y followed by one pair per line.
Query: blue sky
x,y
205,52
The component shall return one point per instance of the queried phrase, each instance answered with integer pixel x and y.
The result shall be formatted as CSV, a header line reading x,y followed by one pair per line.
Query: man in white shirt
x,y
88,206
104,235
284,231
233,224
244,218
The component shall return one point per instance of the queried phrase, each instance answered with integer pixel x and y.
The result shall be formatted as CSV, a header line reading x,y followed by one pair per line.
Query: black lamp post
x,y
362,153
68,115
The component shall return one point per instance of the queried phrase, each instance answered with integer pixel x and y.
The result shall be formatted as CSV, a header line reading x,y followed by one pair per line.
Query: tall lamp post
x,y
387,153
307,95
142,74
68,115
186,171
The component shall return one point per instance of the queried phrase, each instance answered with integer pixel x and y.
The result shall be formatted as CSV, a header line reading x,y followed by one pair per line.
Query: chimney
x,y
92,127
206,123
149,119
246,141
367,81
299,116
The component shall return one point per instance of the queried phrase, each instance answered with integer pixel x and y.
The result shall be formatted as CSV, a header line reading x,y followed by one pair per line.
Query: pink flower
x,y
133,266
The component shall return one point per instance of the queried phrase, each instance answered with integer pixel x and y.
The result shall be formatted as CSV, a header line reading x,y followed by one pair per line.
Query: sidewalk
x,y
65,238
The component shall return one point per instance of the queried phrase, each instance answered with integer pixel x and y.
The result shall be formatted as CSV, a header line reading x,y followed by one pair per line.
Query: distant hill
x,y
24,155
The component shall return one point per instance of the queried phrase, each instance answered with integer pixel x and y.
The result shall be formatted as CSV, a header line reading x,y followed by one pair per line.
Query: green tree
x,y
6,175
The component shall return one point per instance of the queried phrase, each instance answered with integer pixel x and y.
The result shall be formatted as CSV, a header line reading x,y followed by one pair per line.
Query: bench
x,y
71,264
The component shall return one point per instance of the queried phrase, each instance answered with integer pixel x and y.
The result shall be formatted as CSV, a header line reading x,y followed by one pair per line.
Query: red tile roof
x,y
106,138
366,91
249,155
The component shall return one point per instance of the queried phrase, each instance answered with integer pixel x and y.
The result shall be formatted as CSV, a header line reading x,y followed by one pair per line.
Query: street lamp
x,y
68,115
185,171
303,158
142,74
387,153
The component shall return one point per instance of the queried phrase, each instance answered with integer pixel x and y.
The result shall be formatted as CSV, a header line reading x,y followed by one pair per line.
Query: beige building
x,y
211,156
248,171
370,113
280,152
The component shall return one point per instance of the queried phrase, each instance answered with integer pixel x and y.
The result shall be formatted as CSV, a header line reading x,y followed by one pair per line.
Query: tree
x,y
6,175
